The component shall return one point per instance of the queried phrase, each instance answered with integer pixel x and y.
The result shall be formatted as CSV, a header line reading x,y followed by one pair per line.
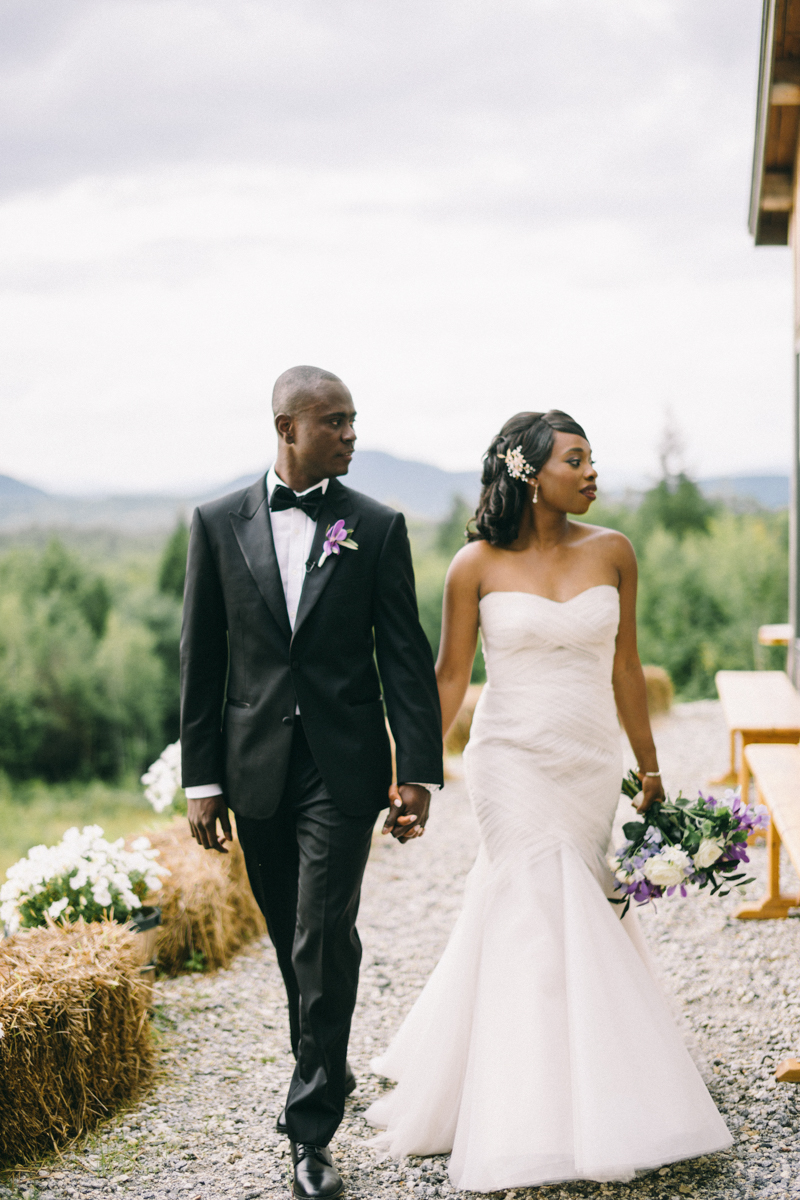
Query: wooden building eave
x,y
777,123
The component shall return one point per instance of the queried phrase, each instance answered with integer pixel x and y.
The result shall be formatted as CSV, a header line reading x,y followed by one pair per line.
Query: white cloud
x,y
462,208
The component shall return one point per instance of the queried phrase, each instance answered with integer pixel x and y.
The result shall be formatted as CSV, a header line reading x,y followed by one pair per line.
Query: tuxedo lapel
x,y
253,531
336,505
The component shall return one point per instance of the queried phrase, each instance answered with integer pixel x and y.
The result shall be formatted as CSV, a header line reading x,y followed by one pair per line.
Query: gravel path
x,y
207,1129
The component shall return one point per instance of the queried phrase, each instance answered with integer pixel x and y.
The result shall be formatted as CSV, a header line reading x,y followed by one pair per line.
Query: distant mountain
x,y
14,487
417,489
767,491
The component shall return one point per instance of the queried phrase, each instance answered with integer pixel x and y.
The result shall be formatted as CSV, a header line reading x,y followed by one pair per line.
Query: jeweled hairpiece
x,y
516,464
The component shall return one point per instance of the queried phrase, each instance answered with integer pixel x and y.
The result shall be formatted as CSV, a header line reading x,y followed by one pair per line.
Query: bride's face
x,y
568,480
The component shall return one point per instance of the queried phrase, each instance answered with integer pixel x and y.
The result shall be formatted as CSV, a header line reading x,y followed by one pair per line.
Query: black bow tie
x,y
284,497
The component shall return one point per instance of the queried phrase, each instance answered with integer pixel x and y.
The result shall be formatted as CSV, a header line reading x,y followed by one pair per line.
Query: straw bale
x,y
207,906
458,736
659,690
76,1041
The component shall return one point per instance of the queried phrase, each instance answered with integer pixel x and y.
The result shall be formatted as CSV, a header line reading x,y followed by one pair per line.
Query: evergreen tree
x,y
450,535
172,571
677,505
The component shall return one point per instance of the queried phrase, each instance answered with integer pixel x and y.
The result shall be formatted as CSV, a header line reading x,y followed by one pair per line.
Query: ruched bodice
x,y
511,1055
535,643
548,708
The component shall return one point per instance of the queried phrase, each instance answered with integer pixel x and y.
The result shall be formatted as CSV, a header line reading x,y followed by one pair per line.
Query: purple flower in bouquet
x,y
336,536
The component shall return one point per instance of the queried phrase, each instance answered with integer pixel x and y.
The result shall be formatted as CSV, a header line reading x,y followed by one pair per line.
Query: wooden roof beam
x,y
776,192
785,88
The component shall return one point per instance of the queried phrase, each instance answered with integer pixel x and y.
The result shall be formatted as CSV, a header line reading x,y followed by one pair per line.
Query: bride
x,y
541,1048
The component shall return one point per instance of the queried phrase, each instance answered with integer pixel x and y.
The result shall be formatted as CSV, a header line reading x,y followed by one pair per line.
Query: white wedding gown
x,y
542,1049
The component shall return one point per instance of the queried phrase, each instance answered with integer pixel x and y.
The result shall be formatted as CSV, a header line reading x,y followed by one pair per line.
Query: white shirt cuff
x,y
432,787
202,790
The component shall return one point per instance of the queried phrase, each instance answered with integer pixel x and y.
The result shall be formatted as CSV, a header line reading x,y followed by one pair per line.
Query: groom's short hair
x,y
295,389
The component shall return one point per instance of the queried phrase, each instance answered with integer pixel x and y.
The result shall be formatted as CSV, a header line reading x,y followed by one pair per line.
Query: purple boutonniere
x,y
336,536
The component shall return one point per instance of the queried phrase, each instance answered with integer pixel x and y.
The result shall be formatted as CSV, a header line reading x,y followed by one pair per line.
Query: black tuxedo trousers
x,y
305,864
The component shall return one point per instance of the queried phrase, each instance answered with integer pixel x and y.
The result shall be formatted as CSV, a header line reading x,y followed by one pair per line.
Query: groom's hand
x,y
408,811
203,816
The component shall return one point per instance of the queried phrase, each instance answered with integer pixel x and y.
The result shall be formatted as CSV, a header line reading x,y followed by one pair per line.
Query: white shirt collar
x,y
273,479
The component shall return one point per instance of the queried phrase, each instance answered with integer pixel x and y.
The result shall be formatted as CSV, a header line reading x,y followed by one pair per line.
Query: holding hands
x,y
408,811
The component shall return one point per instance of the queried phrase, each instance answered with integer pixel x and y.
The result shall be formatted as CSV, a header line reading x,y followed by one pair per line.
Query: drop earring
x,y
535,496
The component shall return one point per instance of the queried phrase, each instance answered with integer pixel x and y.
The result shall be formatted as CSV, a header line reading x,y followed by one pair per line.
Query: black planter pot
x,y
145,921
146,918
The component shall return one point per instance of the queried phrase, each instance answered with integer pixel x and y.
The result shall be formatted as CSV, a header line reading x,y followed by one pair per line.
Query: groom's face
x,y
323,433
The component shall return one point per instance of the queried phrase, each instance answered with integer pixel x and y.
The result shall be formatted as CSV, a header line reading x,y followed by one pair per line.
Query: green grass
x,y
33,813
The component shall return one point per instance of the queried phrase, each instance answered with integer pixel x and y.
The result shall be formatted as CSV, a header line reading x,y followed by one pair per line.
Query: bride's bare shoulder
x,y
470,562
607,541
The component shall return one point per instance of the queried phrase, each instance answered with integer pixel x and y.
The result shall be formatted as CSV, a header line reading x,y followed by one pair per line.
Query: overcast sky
x,y
463,207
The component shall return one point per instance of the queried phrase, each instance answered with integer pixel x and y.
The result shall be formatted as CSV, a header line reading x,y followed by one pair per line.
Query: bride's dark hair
x,y
503,499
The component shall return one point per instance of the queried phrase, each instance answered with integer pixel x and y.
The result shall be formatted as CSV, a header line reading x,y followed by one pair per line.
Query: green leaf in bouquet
x,y
634,831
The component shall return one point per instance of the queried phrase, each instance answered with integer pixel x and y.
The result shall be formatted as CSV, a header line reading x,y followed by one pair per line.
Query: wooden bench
x,y
759,706
774,635
776,770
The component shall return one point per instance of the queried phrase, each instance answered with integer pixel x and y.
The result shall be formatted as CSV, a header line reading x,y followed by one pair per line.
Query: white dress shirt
x,y
293,536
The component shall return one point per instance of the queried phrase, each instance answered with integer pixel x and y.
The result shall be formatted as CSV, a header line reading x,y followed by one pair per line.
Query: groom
x,y
295,588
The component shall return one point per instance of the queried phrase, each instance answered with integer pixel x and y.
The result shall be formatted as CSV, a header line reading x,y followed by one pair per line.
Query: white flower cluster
x,y
669,867
84,875
163,779
516,464
707,853
663,866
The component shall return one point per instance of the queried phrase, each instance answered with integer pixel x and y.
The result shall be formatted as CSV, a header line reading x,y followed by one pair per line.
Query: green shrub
x,y
82,687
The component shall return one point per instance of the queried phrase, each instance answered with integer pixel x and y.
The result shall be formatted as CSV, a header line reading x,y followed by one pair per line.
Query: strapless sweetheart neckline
x,y
510,592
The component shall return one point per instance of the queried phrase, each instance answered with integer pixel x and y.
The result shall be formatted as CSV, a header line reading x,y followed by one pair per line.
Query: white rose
x,y
708,852
668,868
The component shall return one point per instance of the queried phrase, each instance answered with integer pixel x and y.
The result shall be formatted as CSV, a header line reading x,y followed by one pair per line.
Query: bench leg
x,y
730,777
744,775
772,906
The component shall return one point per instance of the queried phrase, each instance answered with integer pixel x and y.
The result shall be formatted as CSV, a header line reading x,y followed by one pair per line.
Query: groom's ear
x,y
284,426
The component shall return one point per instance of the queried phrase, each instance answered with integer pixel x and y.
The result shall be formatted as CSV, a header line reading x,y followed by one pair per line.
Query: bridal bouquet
x,y
83,876
681,842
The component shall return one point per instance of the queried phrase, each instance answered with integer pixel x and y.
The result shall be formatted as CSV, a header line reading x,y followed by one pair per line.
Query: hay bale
x,y
659,690
76,1041
458,736
208,911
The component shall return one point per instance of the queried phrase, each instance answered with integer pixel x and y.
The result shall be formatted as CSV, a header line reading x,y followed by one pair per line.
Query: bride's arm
x,y
459,632
630,691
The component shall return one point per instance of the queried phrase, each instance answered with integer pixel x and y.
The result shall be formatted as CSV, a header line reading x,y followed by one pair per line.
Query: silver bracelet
x,y
649,774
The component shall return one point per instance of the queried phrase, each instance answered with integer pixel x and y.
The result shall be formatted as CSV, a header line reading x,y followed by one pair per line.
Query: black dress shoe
x,y
315,1176
350,1085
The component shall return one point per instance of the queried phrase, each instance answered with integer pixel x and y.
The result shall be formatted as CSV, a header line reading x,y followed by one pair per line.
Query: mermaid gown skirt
x,y
542,1049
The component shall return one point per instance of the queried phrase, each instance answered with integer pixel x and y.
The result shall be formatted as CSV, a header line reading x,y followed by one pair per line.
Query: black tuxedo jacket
x,y
243,670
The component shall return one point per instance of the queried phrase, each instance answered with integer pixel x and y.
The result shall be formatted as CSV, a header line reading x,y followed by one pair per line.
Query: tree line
x,y
89,657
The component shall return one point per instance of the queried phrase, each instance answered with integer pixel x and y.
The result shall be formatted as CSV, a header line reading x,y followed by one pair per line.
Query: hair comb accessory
x,y
516,464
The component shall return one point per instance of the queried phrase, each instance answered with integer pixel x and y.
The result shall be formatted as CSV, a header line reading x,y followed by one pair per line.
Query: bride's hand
x,y
652,792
